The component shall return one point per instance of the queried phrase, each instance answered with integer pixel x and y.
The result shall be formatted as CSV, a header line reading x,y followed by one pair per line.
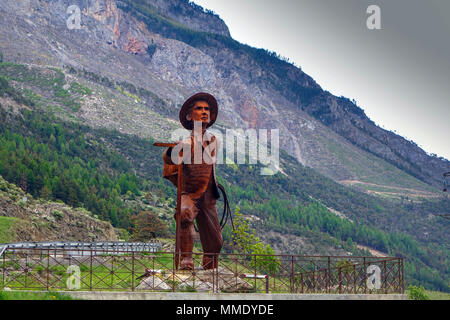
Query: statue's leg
x,y
189,211
210,233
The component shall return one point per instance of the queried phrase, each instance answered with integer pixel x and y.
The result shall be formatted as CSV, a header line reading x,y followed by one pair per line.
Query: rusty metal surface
x,y
97,270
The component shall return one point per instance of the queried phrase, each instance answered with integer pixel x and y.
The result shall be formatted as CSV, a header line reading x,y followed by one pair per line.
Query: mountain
x,y
97,95
146,44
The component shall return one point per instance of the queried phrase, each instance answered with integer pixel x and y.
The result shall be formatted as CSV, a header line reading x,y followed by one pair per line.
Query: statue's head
x,y
200,107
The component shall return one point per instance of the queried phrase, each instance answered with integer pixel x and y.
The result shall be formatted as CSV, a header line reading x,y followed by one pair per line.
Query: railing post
x,y
132,271
314,281
301,280
384,276
153,257
112,270
340,280
48,268
173,270
4,267
328,274
26,267
256,290
213,274
292,276
403,279
90,272
365,275
217,273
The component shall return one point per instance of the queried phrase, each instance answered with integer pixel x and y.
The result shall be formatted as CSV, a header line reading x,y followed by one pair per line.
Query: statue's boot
x,y
187,263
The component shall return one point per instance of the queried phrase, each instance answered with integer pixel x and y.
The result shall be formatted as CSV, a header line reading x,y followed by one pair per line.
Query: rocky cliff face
x,y
190,15
155,45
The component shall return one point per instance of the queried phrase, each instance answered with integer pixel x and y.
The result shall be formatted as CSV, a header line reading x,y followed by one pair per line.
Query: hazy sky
x,y
399,75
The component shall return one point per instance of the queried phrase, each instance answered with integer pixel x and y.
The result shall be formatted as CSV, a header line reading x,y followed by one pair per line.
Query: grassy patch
x,y
75,87
128,94
368,168
437,295
7,224
26,295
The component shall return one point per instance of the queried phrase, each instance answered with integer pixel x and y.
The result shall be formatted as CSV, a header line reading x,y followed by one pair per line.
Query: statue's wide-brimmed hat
x,y
201,96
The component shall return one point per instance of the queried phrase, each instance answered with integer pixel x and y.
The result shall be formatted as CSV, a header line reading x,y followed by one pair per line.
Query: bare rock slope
x,y
38,220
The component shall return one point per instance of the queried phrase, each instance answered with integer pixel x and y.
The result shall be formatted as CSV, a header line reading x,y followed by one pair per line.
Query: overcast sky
x,y
399,75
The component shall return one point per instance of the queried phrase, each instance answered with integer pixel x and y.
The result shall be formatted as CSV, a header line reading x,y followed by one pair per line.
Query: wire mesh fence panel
x,y
154,272
392,276
24,269
236,273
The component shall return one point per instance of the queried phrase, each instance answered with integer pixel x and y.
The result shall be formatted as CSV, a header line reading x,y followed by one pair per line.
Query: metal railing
x,y
85,247
127,270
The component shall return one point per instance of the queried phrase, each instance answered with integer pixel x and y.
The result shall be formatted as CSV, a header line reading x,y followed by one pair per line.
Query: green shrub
x,y
246,242
151,49
187,289
40,270
416,293
75,87
58,214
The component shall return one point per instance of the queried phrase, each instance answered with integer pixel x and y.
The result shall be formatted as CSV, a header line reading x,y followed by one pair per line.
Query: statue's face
x,y
200,112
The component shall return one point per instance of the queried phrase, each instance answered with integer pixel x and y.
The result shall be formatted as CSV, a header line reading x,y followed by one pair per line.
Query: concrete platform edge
x,y
108,295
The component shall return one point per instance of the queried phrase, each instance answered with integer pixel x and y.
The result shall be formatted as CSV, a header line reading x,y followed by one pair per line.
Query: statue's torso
x,y
196,178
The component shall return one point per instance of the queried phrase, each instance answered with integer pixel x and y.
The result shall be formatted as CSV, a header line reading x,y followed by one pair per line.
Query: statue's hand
x,y
167,156
170,158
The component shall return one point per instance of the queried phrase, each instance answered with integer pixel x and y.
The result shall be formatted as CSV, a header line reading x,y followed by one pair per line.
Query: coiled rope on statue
x,y
226,209
226,214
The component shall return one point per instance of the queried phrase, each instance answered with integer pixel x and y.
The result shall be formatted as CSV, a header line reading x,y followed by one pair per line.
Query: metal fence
x,y
94,270
85,247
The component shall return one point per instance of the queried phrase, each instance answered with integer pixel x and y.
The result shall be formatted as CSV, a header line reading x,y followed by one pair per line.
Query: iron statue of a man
x,y
197,186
